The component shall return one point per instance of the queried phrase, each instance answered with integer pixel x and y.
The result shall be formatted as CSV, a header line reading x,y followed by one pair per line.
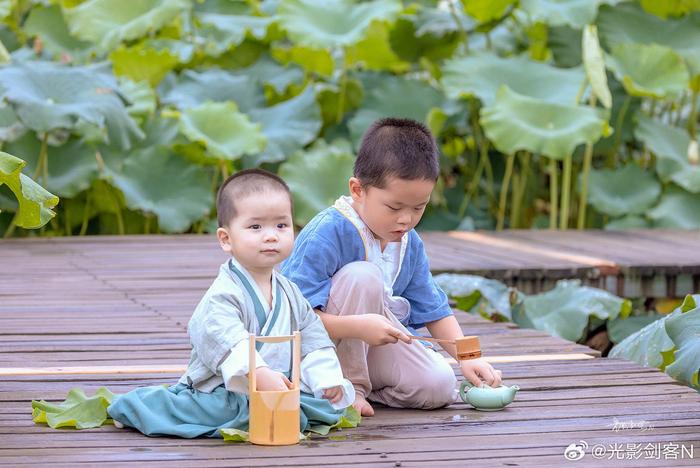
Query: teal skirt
x,y
182,411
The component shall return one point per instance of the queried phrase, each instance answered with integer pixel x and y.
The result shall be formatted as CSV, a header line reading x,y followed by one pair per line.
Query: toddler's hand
x,y
378,330
266,379
475,370
333,394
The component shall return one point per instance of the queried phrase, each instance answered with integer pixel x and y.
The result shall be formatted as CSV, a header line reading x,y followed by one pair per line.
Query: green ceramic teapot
x,y
486,398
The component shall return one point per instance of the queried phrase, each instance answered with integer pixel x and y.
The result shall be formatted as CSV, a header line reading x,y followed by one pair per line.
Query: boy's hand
x,y
333,394
476,370
266,379
377,330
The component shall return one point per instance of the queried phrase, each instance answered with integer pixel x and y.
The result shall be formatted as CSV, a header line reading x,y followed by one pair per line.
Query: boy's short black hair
x,y
392,147
242,184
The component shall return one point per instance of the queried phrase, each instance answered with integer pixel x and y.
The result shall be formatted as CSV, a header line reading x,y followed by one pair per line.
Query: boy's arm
x,y
374,329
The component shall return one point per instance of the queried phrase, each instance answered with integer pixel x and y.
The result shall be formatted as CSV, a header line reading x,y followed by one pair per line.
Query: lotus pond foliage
x,y
561,114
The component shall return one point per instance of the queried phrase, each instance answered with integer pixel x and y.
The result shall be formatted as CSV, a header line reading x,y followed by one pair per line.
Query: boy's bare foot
x,y
362,406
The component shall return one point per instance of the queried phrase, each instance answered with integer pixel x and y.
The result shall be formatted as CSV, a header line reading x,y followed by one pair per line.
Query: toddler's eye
x,y
281,225
254,226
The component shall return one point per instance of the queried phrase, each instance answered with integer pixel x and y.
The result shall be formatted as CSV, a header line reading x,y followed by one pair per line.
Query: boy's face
x,y
261,234
391,211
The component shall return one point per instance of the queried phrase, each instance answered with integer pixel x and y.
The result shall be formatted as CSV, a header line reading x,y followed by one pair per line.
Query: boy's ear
x,y
355,188
224,239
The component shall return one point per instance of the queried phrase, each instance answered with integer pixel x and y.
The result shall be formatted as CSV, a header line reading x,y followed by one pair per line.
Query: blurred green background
x,y
562,114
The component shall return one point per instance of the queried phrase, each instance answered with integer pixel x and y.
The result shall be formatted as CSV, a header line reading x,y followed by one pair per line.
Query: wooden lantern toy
x,y
468,348
274,415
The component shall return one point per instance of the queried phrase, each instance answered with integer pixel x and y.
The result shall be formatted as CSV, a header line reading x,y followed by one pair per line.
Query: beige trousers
x,y
399,375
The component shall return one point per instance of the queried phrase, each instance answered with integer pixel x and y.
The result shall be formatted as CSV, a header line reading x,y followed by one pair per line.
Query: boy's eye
x,y
392,208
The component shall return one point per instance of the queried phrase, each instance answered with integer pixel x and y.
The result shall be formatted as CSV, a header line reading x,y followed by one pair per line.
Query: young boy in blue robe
x,y
363,267
254,210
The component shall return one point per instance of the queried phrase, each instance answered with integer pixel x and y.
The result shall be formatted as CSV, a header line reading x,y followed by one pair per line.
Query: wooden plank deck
x,y
117,309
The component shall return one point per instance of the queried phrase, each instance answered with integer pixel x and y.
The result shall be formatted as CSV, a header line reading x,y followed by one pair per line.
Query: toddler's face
x,y
391,211
261,234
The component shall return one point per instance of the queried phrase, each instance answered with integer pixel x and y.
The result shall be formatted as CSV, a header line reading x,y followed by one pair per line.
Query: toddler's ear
x,y
224,239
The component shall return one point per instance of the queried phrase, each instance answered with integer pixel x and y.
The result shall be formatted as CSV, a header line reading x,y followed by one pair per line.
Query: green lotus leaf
x,y
107,23
288,126
629,23
329,166
565,44
684,331
646,346
78,410
626,190
515,122
140,96
48,96
269,72
230,434
222,130
628,222
35,202
193,88
143,64
619,328
374,52
670,8
10,126
486,10
48,24
487,296
158,181
574,13
313,60
332,23
411,47
649,70
328,97
594,64
482,75
385,96
677,209
71,167
223,31
439,22
184,51
671,146
565,311
5,8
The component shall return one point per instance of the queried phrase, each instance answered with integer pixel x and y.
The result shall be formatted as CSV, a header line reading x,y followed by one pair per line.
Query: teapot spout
x,y
508,396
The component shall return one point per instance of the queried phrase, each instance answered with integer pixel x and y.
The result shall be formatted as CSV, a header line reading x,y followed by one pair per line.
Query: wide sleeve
x,y
428,301
235,367
311,266
313,334
320,370
216,327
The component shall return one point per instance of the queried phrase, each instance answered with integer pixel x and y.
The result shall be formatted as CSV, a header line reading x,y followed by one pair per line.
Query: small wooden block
x,y
468,348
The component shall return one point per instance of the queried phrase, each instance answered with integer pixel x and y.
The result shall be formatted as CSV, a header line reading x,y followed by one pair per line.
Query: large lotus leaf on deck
x,y
651,346
71,167
158,181
193,88
574,13
619,328
649,70
594,65
78,410
677,209
482,75
387,96
626,190
48,24
47,96
565,311
515,122
288,126
629,23
684,331
35,202
142,63
106,23
317,177
671,146
333,23
222,130
628,222
486,296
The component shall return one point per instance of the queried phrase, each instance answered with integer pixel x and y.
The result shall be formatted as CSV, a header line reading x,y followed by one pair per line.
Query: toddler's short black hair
x,y
242,184
393,147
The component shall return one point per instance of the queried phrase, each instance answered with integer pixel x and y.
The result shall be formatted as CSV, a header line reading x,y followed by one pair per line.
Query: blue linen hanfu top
x,y
337,236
